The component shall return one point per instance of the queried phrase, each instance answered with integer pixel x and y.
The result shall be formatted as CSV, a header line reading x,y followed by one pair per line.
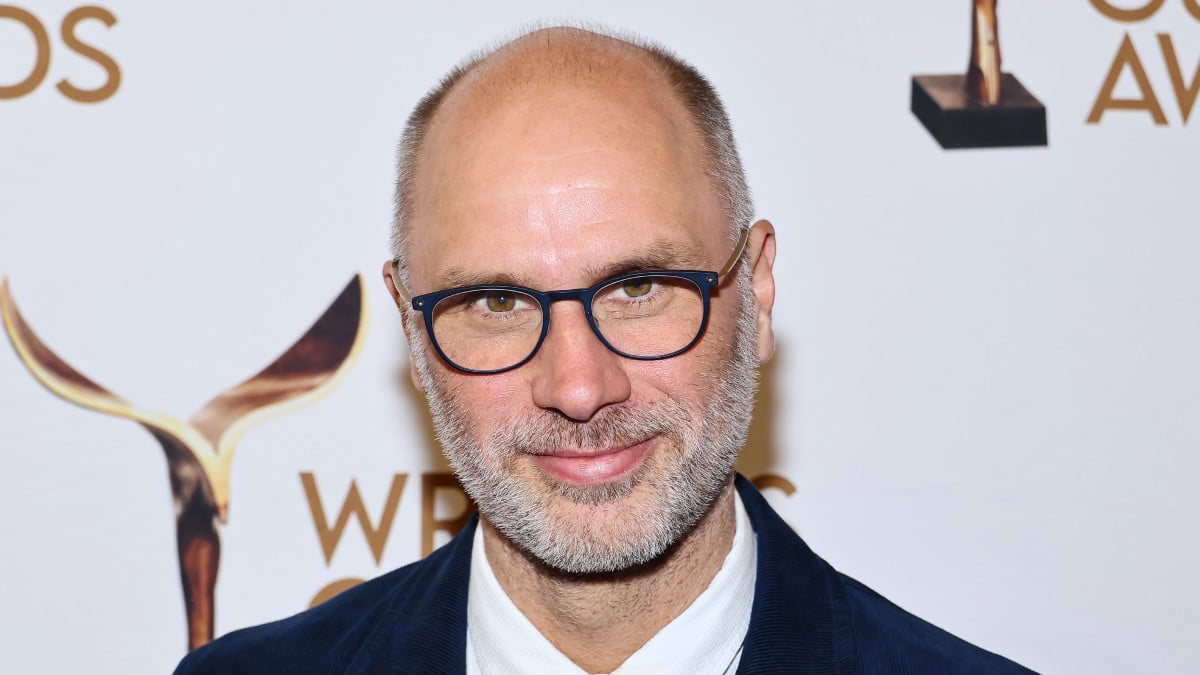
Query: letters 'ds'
x,y
41,64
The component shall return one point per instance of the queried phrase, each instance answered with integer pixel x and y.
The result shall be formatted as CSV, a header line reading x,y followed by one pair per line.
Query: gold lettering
x,y
1193,8
769,481
41,66
333,589
1185,94
1128,15
1127,56
87,51
431,483
353,504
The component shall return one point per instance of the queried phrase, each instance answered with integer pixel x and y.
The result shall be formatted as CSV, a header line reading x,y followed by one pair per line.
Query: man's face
x,y
587,460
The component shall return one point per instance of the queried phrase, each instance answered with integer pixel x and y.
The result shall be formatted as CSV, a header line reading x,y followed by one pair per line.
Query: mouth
x,y
592,467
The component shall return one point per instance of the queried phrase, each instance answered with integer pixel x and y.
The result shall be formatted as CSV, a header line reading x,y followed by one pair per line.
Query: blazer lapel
x,y
424,629
798,623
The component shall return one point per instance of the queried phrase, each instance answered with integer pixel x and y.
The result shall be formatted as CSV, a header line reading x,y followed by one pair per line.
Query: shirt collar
x,y
706,638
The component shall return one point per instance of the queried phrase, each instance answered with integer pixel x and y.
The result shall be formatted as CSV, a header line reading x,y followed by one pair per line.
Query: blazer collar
x,y
424,628
799,623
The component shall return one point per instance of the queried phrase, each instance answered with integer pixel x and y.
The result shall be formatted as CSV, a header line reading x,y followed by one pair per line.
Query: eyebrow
x,y
659,254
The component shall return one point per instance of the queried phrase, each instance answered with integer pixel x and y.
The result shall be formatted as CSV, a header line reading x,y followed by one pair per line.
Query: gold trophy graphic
x,y
985,108
200,451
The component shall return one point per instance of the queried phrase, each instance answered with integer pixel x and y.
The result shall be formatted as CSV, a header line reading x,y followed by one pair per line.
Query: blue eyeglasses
x,y
492,328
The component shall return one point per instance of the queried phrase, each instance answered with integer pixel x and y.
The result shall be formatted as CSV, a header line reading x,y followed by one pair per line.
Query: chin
x,y
602,528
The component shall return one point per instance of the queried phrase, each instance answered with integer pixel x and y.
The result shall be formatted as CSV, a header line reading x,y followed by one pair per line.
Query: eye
x,y
635,288
501,301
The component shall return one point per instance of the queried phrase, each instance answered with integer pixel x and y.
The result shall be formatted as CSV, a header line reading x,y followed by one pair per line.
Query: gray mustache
x,y
612,427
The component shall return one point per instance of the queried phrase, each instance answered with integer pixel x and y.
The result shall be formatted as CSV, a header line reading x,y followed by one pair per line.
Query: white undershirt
x,y
705,639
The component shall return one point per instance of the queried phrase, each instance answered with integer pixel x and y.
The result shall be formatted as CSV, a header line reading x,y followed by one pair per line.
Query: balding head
x,y
554,57
572,61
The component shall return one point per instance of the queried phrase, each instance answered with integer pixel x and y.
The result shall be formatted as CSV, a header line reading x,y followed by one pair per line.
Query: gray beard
x,y
683,476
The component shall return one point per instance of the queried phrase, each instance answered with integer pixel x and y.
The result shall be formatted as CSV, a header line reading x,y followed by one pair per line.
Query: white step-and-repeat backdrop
x,y
986,397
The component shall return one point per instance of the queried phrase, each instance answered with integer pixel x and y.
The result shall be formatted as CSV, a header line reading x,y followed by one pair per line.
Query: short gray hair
x,y
694,90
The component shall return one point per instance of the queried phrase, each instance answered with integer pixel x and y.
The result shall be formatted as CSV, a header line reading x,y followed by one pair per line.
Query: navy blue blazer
x,y
806,618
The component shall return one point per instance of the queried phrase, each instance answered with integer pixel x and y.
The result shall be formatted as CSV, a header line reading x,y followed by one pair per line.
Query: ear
x,y
390,282
762,279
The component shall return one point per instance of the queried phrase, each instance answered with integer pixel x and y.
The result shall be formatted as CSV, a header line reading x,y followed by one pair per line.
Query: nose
x,y
573,372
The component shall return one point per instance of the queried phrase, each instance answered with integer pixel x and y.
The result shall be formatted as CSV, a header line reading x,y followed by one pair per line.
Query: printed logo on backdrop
x,y
984,107
1129,64
200,451
66,48
440,492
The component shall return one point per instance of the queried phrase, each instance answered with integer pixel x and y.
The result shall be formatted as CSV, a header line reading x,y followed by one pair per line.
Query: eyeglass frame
x,y
703,280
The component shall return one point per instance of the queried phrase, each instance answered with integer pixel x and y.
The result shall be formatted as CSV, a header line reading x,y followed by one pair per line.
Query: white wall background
x,y
987,389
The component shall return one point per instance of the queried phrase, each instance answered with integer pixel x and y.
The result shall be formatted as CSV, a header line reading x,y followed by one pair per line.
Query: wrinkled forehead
x,y
548,181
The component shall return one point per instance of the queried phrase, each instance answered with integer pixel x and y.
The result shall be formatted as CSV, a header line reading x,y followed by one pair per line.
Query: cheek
x,y
681,377
700,369
691,377
490,400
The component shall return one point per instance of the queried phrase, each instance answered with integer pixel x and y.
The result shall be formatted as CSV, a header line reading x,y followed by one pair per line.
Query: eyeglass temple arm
x,y
736,255
399,284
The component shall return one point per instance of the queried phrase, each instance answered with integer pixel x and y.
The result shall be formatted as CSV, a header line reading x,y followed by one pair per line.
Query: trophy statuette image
x,y
199,452
985,107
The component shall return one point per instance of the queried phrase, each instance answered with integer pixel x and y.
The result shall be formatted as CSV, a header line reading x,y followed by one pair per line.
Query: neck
x,y
598,621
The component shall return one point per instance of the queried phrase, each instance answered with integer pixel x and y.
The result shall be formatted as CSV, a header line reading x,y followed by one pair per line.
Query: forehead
x,y
547,183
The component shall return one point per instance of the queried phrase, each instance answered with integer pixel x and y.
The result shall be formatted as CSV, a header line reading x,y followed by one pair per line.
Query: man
x,y
596,427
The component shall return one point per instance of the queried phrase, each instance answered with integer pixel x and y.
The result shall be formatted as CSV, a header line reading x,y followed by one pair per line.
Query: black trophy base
x,y
943,106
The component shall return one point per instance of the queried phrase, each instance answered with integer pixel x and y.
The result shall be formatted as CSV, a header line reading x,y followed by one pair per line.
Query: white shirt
x,y
706,638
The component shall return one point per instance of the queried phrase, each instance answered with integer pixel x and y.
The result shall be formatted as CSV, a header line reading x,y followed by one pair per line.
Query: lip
x,y
589,467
